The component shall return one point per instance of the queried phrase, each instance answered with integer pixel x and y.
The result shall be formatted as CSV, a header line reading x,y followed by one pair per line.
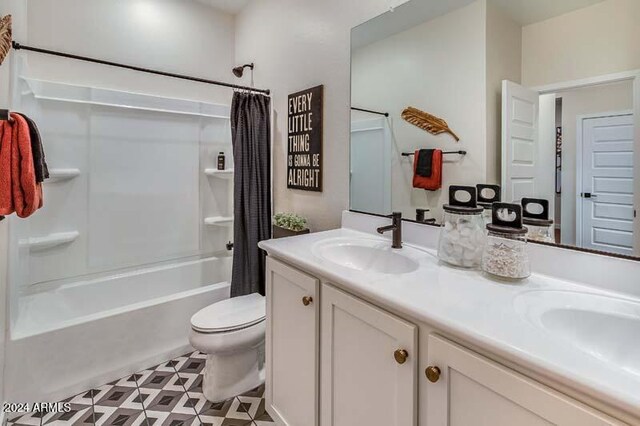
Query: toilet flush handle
x,y
306,300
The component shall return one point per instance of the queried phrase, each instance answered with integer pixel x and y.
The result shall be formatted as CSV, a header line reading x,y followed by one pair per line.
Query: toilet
x,y
231,333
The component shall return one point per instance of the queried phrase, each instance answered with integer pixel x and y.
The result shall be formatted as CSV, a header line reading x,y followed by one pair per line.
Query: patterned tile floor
x,y
168,394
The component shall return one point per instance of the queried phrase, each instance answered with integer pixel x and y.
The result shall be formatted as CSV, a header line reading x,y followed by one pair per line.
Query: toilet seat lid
x,y
230,314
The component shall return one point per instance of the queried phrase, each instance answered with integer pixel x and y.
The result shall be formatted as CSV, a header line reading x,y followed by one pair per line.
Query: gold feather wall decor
x,y
427,122
5,37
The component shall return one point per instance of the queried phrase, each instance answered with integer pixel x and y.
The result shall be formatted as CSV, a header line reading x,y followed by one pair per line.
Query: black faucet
x,y
420,214
396,227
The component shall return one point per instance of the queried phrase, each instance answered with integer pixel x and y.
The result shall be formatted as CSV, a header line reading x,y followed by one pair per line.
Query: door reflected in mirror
x,y
574,147
537,102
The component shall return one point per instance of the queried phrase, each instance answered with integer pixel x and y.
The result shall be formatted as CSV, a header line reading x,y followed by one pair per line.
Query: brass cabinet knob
x,y
306,300
433,373
401,356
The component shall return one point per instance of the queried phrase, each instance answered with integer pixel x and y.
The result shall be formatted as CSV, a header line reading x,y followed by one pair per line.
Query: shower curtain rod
x,y
19,46
386,114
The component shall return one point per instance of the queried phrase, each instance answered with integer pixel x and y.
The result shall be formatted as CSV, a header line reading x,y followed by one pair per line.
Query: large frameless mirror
x,y
533,101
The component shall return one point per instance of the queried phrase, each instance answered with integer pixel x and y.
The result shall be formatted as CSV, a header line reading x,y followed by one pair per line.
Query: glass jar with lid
x,y
535,216
505,253
462,235
487,195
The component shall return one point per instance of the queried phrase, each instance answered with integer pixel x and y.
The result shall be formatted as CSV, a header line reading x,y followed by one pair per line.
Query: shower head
x,y
238,71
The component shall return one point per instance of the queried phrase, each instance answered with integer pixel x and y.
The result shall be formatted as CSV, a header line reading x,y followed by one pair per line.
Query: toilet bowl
x,y
231,333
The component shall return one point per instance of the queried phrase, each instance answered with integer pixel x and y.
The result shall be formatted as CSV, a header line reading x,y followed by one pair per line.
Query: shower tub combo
x,y
130,243
86,333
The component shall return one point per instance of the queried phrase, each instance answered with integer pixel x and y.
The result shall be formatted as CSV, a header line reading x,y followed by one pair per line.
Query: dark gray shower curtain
x,y
251,138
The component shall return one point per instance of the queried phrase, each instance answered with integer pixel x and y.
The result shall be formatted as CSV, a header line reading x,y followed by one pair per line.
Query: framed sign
x,y
304,140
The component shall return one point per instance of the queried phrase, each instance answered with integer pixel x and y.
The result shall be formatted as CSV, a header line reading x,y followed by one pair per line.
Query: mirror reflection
x,y
527,102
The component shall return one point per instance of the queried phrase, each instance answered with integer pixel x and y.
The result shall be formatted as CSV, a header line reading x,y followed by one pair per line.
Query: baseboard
x,y
102,379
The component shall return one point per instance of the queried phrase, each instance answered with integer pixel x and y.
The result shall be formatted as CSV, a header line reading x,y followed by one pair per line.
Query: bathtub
x,y
88,333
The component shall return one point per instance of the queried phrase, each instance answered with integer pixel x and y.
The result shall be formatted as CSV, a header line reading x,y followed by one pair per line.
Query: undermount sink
x,y
607,328
372,255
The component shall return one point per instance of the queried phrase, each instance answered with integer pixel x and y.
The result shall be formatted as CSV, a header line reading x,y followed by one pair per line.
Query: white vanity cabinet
x,y
292,345
469,389
334,359
368,364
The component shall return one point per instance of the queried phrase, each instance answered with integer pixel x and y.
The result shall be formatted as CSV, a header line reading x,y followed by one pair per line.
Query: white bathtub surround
x,y
523,324
84,334
103,282
137,156
231,333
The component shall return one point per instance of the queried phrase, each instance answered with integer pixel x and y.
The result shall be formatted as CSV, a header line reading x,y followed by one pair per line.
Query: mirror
x,y
538,97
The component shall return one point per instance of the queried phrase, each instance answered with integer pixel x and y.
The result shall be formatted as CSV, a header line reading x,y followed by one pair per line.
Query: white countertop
x,y
471,307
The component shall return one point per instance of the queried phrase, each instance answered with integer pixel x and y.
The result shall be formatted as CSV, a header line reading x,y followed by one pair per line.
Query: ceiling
x,y
524,12
229,6
527,12
401,18
415,12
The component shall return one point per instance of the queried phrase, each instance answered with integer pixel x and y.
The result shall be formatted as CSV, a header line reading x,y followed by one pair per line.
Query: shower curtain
x,y
251,138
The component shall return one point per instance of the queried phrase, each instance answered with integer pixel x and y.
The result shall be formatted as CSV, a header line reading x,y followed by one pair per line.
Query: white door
x,y
523,172
607,210
292,345
473,390
370,179
369,360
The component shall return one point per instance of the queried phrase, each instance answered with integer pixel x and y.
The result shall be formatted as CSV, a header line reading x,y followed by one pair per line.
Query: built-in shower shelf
x,y
50,241
218,220
59,175
64,92
222,174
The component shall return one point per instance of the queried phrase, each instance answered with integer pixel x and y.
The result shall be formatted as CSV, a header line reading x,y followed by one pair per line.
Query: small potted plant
x,y
288,225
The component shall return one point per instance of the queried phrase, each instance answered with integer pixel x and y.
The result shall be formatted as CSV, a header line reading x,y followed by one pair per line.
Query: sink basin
x,y
372,255
607,328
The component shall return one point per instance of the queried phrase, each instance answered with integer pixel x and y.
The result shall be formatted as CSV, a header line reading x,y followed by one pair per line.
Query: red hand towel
x,y
434,182
6,197
27,193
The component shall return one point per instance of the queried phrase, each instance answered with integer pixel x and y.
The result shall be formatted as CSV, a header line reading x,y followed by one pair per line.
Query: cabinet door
x,y
292,345
365,380
472,390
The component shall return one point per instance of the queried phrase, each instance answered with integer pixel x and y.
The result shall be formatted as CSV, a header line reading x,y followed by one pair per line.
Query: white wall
x,y
590,100
298,44
439,69
596,40
173,35
370,166
503,62
546,150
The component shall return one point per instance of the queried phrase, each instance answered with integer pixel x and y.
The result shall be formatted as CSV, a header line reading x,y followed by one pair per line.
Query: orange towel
x,y
6,197
19,190
434,182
